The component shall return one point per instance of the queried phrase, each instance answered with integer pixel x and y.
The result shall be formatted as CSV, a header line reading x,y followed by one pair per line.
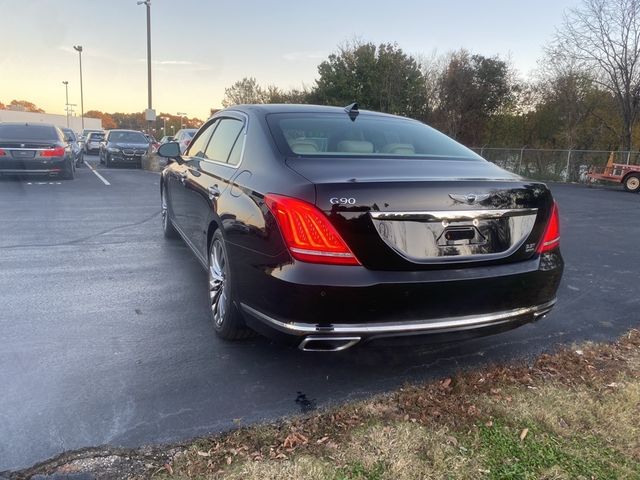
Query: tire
x,y
631,183
167,227
227,321
107,162
69,171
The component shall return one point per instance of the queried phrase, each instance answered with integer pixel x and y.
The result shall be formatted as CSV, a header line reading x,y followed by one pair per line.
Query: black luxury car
x,y
35,149
327,226
124,146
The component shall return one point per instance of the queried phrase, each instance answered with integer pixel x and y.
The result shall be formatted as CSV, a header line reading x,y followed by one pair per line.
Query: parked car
x,y
183,137
124,146
35,149
326,227
92,143
84,134
72,139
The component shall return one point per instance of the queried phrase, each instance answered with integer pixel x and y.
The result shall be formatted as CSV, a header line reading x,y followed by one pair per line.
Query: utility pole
x,y
66,101
150,113
78,48
182,115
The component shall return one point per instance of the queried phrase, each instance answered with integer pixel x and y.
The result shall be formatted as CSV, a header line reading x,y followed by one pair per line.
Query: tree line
x,y
584,95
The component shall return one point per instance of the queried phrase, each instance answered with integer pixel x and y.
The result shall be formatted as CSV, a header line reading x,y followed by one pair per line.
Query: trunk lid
x,y
418,214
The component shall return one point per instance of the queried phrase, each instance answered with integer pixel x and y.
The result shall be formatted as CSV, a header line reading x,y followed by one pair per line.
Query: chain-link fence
x,y
555,165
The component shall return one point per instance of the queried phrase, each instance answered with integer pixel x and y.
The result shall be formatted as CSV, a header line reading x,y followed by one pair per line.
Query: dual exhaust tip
x,y
318,343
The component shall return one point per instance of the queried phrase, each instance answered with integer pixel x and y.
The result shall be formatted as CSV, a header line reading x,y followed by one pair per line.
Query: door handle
x,y
214,192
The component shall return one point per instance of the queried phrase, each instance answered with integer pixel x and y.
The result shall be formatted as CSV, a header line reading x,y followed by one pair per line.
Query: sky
x,y
200,47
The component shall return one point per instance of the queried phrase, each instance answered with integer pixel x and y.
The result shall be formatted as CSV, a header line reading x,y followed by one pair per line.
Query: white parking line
x,y
104,180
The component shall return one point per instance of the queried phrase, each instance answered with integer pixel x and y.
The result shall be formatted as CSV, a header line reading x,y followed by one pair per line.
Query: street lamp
x,y
78,48
66,103
150,114
182,115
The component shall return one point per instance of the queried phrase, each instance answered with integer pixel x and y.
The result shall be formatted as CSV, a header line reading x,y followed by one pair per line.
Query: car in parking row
x,y
35,149
121,146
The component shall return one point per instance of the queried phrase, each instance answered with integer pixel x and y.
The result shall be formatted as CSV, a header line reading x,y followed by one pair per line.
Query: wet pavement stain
x,y
304,403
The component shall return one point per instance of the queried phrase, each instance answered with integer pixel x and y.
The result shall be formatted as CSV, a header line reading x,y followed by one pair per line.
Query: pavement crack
x,y
82,239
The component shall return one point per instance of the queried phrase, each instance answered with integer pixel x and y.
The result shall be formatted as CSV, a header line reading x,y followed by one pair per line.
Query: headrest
x,y
355,146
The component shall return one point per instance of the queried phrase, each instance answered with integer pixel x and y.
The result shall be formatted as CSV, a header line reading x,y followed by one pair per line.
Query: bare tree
x,y
603,38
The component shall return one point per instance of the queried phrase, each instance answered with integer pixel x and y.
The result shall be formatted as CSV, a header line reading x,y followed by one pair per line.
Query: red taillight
x,y
551,237
53,152
308,232
2,153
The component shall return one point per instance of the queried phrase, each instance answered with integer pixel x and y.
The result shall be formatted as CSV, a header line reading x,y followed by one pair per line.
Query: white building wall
x,y
75,123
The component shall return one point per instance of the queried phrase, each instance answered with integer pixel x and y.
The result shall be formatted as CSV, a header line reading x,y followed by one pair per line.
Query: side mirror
x,y
170,150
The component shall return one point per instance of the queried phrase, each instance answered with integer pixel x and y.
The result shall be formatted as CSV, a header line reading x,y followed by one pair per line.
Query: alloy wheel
x,y
217,284
633,183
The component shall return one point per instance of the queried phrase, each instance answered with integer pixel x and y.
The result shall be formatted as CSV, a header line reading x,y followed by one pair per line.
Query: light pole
x,y
182,115
151,117
66,102
78,48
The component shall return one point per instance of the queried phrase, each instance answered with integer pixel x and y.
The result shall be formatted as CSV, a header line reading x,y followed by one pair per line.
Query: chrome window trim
x,y
245,130
416,326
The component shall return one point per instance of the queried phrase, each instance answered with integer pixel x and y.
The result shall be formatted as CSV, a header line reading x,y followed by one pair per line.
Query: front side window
x,y
223,139
198,146
367,136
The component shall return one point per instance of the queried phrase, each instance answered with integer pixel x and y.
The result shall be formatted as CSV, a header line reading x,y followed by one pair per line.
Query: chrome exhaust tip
x,y
319,343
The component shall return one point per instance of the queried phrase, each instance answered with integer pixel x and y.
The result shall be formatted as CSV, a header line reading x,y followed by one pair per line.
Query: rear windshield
x,y
367,136
28,132
96,136
129,137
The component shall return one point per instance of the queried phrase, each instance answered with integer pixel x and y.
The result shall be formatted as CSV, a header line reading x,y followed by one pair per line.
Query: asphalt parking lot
x,y
106,337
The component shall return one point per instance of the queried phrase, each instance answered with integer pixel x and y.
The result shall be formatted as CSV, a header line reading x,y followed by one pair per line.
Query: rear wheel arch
x,y
213,226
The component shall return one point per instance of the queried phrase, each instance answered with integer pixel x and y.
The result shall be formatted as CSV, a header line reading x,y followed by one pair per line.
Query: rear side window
x,y
28,132
223,139
368,136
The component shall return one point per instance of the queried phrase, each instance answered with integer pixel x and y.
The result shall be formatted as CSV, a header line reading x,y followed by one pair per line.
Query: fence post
x,y
520,162
566,173
628,156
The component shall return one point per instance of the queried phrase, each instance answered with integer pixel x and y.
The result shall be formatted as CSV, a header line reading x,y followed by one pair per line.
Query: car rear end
x,y
92,144
33,149
409,234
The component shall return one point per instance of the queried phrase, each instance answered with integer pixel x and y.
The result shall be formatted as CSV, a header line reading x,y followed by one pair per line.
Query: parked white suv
x,y
183,137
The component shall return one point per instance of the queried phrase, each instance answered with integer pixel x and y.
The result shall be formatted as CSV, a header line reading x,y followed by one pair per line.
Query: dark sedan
x,y
327,227
35,149
124,147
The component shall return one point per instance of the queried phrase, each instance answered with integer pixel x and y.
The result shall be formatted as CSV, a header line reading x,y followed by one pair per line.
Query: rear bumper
x,y
32,167
298,301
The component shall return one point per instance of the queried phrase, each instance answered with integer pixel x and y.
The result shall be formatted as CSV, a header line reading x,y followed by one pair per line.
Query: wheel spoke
x,y
217,291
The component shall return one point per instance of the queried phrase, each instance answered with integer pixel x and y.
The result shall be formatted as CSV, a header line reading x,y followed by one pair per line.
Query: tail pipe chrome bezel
x,y
341,343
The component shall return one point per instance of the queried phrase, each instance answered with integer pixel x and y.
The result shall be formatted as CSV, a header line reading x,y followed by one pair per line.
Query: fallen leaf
x,y
322,440
168,468
203,454
489,424
523,434
228,460
446,382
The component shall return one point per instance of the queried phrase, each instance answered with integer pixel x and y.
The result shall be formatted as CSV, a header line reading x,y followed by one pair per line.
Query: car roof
x,y
269,108
125,130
